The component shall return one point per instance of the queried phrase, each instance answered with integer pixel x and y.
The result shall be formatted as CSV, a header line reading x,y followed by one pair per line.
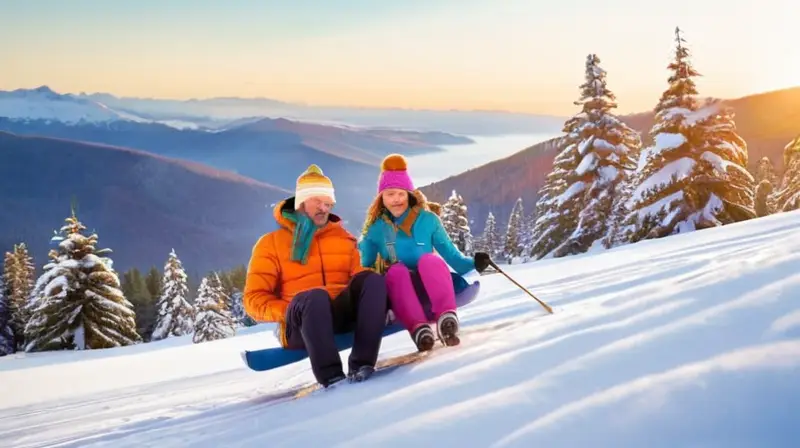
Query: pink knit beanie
x,y
394,174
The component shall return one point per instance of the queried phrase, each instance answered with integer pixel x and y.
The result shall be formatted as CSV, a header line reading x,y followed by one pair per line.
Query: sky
x,y
515,55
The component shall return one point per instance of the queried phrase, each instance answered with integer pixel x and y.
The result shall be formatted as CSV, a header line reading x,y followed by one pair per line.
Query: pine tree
x,y
213,318
693,176
9,275
766,182
766,171
238,277
764,205
215,280
615,235
529,222
237,309
82,307
7,340
136,291
21,286
606,151
513,241
456,223
153,282
490,239
175,314
787,197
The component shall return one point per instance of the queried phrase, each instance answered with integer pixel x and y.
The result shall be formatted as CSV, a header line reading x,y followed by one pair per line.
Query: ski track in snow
x,y
688,340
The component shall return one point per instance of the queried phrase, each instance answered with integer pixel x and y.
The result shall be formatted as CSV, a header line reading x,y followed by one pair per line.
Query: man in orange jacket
x,y
307,277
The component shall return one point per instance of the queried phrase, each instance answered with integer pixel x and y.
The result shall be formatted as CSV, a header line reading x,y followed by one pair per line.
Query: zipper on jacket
x,y
322,263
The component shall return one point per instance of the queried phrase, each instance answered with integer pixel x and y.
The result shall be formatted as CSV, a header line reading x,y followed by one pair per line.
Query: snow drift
x,y
691,340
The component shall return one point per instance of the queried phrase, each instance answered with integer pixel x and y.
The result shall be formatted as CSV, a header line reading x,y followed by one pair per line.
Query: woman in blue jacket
x,y
403,231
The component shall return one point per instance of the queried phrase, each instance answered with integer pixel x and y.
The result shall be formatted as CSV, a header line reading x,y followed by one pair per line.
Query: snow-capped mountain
x,y
42,103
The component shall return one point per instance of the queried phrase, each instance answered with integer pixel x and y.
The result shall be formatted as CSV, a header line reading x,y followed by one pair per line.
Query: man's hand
x,y
482,261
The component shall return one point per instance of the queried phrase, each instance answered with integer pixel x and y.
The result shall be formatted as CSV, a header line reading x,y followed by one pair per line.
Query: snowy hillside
x,y
691,340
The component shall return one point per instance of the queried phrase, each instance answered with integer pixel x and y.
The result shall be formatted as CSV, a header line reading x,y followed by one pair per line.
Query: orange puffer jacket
x,y
273,279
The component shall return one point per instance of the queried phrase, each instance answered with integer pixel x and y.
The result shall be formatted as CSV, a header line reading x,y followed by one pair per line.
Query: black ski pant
x,y
312,319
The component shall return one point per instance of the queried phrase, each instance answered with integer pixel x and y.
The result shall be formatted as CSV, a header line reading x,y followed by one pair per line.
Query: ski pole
x,y
544,305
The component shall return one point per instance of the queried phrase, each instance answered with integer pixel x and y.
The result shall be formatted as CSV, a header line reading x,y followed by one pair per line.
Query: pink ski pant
x,y
432,281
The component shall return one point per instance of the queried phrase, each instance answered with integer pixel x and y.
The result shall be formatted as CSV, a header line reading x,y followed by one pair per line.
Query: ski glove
x,y
482,261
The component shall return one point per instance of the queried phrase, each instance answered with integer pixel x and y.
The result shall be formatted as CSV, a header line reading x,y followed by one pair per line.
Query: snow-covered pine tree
x,y
237,309
7,341
21,288
512,248
455,219
787,197
693,176
606,150
529,222
490,238
175,314
449,215
766,171
764,205
766,183
212,319
223,293
553,225
82,306
8,275
465,241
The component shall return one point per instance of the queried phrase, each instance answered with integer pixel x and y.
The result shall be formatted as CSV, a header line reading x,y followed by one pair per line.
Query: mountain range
x,y
269,152
766,121
150,181
211,112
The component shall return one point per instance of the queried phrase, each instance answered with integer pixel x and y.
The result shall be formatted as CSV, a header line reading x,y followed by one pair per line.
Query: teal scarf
x,y
303,235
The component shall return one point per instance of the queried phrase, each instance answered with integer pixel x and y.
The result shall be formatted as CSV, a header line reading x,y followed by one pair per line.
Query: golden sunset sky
x,y
513,55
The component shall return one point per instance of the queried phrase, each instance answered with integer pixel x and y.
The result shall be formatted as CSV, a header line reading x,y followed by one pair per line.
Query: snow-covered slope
x,y
692,340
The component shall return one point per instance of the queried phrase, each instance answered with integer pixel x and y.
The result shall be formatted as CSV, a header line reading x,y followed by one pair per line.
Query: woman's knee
x,y
433,263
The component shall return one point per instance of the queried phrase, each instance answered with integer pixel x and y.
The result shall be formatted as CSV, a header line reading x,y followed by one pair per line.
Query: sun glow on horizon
x,y
465,55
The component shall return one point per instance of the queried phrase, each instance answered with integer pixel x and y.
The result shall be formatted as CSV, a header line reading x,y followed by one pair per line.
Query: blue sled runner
x,y
272,358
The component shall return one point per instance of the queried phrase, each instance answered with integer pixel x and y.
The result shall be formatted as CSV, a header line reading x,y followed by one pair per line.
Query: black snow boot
x,y
447,327
423,338
333,380
362,374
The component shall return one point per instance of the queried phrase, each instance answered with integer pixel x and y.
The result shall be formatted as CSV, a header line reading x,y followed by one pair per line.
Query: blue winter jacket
x,y
426,234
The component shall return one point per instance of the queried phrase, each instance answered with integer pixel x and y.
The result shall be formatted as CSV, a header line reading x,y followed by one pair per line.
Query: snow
x,y
43,103
671,172
689,340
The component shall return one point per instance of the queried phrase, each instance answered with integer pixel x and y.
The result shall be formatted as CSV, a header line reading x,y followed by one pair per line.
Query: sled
x,y
272,358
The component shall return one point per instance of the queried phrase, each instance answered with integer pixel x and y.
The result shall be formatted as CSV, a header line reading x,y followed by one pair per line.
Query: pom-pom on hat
x,y
312,183
394,174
